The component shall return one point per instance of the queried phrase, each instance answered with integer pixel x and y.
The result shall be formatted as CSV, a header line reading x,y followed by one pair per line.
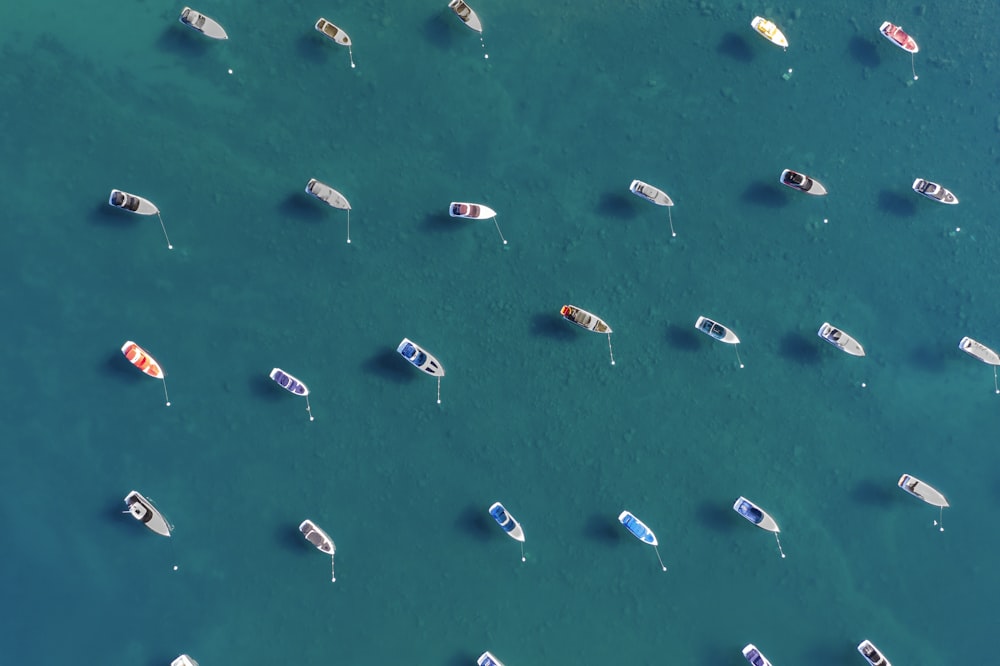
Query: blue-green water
x,y
575,100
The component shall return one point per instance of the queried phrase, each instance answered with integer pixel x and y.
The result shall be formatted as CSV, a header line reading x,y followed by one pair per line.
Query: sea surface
x,y
575,101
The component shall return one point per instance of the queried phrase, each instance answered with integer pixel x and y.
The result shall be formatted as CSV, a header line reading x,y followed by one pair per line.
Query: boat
x,y
184,660
755,514
637,528
921,490
979,350
584,319
840,340
146,513
769,31
132,203
934,191
141,359
292,385
336,34
203,24
324,544
871,654
465,12
470,211
802,182
507,522
420,358
754,656
898,36
650,193
327,194
487,659
716,330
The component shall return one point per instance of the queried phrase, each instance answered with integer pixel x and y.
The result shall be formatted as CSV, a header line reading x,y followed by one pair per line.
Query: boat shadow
x,y
618,205
183,41
462,659
104,214
443,222
872,493
546,325
896,204
600,527
864,52
298,206
116,365
290,538
390,365
762,193
474,522
682,338
930,358
715,516
265,388
799,348
314,48
439,32
733,45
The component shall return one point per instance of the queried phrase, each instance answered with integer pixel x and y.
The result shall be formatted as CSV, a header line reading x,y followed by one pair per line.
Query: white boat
x,y
146,513
641,532
132,203
754,656
584,319
327,194
184,660
755,514
934,191
650,193
420,358
769,31
871,654
840,340
921,490
979,350
336,35
716,330
470,211
487,659
507,522
324,544
802,183
203,24
468,16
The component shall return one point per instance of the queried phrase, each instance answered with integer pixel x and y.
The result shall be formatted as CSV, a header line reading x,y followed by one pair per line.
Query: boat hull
x,y
203,24
132,203
288,382
327,194
468,16
755,515
637,528
584,319
769,31
753,655
716,331
141,359
934,192
979,350
184,660
872,654
472,211
840,340
144,511
420,358
317,537
332,32
921,490
487,659
898,36
650,193
807,184
507,522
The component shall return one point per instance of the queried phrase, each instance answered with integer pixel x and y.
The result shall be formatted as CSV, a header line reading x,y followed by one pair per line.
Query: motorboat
x,y
470,211
840,340
466,13
327,194
755,514
979,350
754,656
871,654
898,36
934,191
802,182
507,522
487,659
143,360
324,544
337,35
420,358
184,660
203,24
584,319
769,31
292,385
716,330
132,203
641,532
650,193
921,490
146,513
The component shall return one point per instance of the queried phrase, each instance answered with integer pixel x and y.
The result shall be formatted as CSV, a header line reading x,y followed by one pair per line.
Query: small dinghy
x,y
139,206
758,517
934,191
332,198
508,524
984,354
471,211
589,321
656,196
802,183
840,340
466,13
293,386
203,24
769,31
921,490
871,654
321,540
487,659
337,35
143,510
142,359
184,660
714,329
422,360
754,656
898,36
640,532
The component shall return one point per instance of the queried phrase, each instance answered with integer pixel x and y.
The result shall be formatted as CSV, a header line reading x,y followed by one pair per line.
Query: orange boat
x,y
141,359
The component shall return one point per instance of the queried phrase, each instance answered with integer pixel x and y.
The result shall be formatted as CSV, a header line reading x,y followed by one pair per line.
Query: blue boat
x,y
507,522
487,659
637,528
292,385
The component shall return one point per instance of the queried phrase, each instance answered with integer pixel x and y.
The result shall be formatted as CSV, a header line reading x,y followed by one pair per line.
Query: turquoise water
x,y
575,100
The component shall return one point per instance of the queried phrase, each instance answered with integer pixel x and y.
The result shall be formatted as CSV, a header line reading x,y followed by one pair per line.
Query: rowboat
x,y
146,513
898,36
754,656
321,540
802,183
929,494
769,31
330,197
465,12
337,35
203,24
871,654
487,659
292,385
934,191
840,340
142,359
640,531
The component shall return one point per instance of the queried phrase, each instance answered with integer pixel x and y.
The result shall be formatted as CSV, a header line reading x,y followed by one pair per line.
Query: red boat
x,y
897,36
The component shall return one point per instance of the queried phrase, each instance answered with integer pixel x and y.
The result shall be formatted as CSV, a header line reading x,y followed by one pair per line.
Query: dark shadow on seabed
x,y
864,52
682,338
765,194
390,365
800,348
474,521
445,223
872,493
617,205
263,387
116,365
715,516
315,48
551,326
288,536
929,358
600,527
896,204
183,41
299,206
438,32
735,46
